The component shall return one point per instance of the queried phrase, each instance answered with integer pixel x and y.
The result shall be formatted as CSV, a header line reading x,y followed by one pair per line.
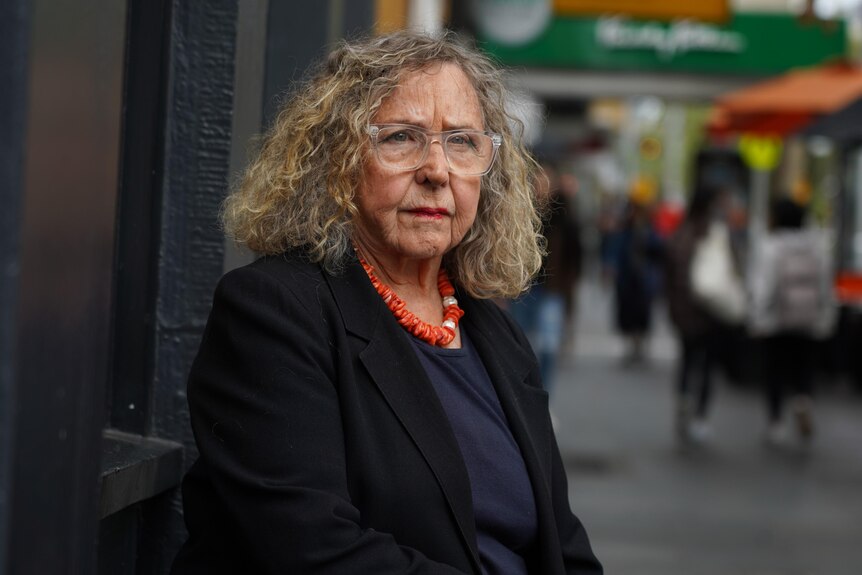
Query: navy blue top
x,y
503,504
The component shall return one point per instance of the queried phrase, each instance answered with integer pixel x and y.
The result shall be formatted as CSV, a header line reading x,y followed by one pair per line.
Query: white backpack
x,y
797,299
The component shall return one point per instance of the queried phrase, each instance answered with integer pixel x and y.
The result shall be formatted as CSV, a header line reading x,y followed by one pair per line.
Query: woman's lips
x,y
435,213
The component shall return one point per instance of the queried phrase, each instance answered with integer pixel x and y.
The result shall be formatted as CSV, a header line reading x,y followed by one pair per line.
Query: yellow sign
x,y
704,10
650,148
760,152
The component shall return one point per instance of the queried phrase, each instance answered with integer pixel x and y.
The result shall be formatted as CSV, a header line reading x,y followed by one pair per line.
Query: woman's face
x,y
421,213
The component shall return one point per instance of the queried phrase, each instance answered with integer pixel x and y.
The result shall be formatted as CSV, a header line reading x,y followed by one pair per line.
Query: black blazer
x,y
324,448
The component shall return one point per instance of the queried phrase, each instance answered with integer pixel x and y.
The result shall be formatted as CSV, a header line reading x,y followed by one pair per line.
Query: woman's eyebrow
x,y
402,122
413,123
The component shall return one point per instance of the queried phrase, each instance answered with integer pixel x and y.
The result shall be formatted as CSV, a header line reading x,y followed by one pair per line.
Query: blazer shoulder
x,y
290,271
287,267
345,297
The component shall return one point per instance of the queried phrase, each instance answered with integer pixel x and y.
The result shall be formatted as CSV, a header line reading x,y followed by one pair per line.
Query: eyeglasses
x,y
405,147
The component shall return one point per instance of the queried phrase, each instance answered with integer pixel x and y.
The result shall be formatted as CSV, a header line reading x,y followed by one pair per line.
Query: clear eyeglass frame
x,y
431,137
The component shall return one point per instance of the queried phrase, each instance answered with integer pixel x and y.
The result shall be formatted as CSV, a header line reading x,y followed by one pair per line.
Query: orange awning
x,y
787,103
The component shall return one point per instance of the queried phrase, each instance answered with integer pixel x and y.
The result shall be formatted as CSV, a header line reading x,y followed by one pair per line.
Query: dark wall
x,y
71,158
170,251
14,28
196,174
299,33
195,182
147,72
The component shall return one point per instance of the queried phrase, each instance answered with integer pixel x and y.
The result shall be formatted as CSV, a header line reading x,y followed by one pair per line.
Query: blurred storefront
x,y
839,136
623,92
799,133
625,88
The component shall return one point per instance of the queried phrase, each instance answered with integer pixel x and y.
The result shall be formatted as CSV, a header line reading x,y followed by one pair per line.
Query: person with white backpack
x,y
791,306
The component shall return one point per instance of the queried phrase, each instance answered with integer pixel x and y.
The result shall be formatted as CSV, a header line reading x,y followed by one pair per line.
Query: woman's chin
x,y
421,250
425,251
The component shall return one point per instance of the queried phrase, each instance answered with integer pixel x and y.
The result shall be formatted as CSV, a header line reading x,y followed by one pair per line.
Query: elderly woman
x,y
359,403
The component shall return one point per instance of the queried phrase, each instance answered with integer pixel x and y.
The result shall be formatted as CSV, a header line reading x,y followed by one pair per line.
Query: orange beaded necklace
x,y
435,335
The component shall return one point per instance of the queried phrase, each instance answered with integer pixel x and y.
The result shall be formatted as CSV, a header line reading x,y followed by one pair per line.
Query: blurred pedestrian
x,y
792,306
546,310
699,327
568,264
636,255
608,222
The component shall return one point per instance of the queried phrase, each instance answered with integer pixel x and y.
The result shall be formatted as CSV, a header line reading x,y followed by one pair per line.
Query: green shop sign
x,y
748,44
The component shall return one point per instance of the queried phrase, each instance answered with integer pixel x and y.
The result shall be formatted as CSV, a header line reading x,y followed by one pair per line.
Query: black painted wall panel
x,y
299,33
139,214
63,310
190,260
14,36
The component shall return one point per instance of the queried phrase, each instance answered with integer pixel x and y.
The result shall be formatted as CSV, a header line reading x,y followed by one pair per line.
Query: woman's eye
x,y
460,140
400,137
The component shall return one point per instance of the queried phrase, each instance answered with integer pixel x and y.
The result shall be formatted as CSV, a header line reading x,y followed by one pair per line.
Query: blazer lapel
x,y
525,406
526,409
401,379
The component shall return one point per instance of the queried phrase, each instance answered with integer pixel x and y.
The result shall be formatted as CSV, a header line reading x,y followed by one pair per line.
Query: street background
x,y
733,505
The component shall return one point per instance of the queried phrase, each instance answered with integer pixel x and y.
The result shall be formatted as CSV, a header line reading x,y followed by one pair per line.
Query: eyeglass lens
x,y
468,152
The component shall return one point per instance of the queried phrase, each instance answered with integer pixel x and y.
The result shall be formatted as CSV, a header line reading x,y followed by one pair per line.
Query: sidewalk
x,y
731,507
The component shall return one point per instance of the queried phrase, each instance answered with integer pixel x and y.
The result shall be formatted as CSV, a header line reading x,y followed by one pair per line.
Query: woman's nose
x,y
435,168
